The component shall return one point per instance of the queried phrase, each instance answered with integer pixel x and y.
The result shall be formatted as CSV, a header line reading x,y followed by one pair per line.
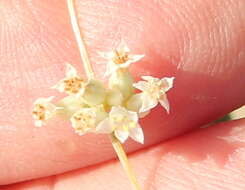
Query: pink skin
x,y
201,43
211,158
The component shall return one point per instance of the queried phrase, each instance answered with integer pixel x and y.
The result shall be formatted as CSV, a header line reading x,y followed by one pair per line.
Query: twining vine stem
x,y
90,74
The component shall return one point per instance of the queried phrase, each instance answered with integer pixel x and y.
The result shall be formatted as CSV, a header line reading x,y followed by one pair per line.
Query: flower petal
x,y
59,86
143,114
104,126
117,110
149,78
70,71
141,85
49,99
167,83
39,123
135,58
164,102
107,55
132,116
125,65
148,103
44,100
121,135
80,132
122,47
137,134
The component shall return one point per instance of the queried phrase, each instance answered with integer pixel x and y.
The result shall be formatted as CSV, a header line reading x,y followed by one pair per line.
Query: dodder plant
x,y
114,108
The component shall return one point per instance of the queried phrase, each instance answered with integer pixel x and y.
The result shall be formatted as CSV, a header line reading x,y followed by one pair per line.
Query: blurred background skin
x,y
201,43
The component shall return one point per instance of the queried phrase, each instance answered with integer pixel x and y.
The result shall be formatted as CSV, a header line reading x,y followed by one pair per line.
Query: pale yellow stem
x,y
80,41
124,161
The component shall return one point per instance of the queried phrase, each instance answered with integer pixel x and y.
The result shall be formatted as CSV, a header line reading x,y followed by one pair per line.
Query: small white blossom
x,y
154,92
72,83
119,58
86,119
123,123
43,110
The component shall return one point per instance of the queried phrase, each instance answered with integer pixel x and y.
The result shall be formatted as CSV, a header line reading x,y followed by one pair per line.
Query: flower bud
x,y
94,93
123,81
135,103
114,97
69,105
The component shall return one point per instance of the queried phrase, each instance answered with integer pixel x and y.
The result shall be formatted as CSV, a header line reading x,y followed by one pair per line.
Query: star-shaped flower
x,y
43,110
119,58
123,123
154,92
86,119
72,83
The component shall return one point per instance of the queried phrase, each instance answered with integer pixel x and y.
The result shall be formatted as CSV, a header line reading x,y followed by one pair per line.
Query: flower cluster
x,y
115,108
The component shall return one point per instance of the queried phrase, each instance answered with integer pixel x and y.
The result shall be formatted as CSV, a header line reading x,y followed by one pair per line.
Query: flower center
x,y
120,58
39,112
122,123
73,85
84,121
154,90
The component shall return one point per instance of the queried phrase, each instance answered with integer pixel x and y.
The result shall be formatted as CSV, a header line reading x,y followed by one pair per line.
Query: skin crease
x,y
200,43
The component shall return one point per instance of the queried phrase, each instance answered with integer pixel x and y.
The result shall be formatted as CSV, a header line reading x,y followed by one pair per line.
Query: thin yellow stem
x,y
80,41
124,161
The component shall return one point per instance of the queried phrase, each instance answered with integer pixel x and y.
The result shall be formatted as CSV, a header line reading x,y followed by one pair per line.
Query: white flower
x,y
154,92
43,110
72,83
119,58
123,123
86,119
